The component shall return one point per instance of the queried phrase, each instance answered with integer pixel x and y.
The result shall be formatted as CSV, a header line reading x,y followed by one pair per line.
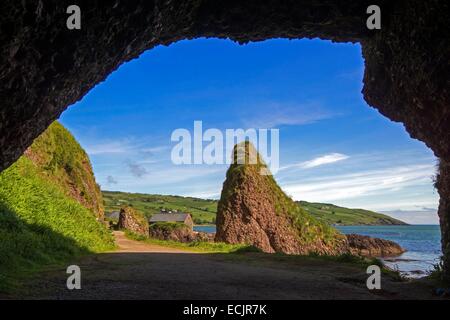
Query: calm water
x,y
421,241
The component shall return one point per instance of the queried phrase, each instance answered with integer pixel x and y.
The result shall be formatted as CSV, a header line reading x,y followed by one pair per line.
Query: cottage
x,y
113,215
172,217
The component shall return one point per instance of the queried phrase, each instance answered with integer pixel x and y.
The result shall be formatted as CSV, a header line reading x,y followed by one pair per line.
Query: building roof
x,y
169,217
113,215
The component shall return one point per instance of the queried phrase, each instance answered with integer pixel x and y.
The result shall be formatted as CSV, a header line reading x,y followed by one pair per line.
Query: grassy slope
x,y
344,216
61,158
40,224
204,211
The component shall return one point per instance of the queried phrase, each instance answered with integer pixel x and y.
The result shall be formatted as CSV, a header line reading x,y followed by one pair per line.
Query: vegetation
x,y
202,211
245,172
40,224
198,246
167,226
135,215
335,215
61,158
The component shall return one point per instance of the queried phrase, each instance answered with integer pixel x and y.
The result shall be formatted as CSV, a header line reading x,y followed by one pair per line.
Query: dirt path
x,y
126,245
142,271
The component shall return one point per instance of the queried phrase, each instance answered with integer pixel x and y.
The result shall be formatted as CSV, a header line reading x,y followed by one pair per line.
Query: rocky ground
x,y
144,271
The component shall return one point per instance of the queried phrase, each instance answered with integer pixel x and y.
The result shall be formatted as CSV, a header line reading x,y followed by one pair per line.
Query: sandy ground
x,y
143,271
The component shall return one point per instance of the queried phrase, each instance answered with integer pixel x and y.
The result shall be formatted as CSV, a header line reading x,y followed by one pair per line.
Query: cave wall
x,y
44,67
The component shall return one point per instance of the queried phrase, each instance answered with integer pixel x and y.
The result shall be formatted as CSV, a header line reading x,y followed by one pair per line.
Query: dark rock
x,y
204,236
372,247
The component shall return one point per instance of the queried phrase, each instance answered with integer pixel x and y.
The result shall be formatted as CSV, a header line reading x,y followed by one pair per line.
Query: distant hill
x,y
49,207
204,210
335,215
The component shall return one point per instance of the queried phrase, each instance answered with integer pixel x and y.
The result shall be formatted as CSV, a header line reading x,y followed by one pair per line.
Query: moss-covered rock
x,y
254,210
60,158
174,231
133,220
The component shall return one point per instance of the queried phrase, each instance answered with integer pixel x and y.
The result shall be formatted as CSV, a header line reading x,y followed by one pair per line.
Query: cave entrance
x,y
334,148
46,68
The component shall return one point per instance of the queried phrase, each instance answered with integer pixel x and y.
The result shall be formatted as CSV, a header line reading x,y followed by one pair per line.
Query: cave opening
x,y
405,77
334,148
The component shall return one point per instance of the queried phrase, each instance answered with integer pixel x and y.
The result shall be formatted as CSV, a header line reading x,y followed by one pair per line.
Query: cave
x,y
45,67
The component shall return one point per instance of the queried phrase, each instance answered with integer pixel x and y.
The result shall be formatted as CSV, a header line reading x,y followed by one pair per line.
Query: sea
x,y
422,243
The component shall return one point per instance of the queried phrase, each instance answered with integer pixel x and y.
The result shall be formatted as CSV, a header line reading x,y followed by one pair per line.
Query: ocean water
x,y
422,243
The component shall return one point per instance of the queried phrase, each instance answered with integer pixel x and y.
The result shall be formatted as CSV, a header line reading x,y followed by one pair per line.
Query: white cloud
x,y
272,115
415,216
204,195
354,185
153,150
110,147
316,162
124,146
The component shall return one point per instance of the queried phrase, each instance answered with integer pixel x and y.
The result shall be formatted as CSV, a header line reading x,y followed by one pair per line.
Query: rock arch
x,y
44,67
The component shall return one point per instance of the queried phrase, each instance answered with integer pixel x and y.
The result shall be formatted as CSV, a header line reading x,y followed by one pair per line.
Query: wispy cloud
x,y
319,161
271,115
125,146
359,184
111,147
415,216
154,150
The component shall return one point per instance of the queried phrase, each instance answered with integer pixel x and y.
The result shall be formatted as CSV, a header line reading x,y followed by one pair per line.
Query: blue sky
x,y
333,147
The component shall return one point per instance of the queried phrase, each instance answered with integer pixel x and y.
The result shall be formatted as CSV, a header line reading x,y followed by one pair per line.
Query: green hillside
x,y
40,223
344,216
204,211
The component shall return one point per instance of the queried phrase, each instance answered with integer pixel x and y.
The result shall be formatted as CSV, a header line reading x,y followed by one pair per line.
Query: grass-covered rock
x,y
40,222
254,210
133,220
62,160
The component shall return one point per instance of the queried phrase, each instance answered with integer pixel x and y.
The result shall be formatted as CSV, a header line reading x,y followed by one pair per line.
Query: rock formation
x,y
171,231
359,245
61,159
133,220
254,210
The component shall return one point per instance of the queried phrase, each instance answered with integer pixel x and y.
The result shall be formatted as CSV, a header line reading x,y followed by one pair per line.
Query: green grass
x,y
197,246
167,226
40,225
60,157
335,215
